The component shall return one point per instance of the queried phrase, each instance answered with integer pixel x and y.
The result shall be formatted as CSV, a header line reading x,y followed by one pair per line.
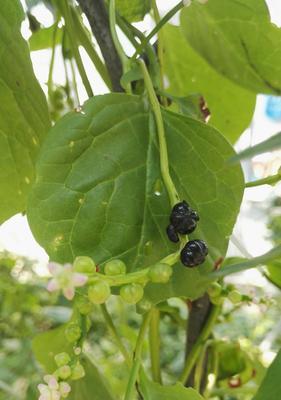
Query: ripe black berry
x,y
183,220
172,234
194,253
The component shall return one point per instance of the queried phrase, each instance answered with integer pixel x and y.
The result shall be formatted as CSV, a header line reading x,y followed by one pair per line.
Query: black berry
x,y
172,234
194,253
183,218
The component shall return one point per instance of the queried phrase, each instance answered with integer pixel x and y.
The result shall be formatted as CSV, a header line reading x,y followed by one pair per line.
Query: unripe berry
x,y
83,305
73,332
99,292
64,372
234,296
214,289
115,267
143,306
131,293
78,372
84,264
62,359
217,301
160,273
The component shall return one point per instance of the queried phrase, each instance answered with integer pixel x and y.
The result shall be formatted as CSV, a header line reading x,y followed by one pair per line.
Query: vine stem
x,y
122,55
164,161
269,180
140,276
52,63
196,349
157,28
137,357
160,50
88,45
65,8
114,332
154,344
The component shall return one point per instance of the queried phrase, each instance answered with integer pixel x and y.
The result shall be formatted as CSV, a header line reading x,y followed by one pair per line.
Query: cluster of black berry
x,y
183,220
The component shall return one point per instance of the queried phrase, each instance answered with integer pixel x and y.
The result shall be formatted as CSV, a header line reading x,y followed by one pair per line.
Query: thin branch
x,y
97,15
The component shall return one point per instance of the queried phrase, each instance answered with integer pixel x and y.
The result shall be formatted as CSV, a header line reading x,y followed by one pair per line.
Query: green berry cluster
x,y
114,274
218,294
68,368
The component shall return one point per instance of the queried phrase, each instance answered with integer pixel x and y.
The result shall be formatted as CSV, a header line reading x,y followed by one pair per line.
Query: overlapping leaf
x,y
133,10
99,190
271,386
155,391
47,344
23,113
231,106
238,40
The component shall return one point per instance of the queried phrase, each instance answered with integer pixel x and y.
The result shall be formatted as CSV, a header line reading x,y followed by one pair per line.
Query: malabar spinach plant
x,y
134,194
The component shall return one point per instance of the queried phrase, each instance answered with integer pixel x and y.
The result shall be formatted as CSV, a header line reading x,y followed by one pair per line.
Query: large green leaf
x,y
92,386
155,391
23,113
98,185
231,106
238,40
133,10
47,344
271,385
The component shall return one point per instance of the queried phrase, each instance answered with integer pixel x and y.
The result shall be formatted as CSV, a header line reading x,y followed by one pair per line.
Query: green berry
x,y
84,264
83,305
99,292
160,273
234,296
62,359
214,290
131,293
143,306
218,300
73,332
64,372
115,267
78,372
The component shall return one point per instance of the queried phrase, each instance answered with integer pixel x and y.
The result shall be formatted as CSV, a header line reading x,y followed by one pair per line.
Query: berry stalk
x,y
164,161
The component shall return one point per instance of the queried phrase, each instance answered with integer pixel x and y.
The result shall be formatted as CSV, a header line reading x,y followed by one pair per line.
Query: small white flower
x,y
53,390
66,279
186,3
202,1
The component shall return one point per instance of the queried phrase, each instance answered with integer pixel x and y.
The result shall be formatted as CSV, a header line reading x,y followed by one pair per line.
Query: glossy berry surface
x,y
194,253
183,220
172,234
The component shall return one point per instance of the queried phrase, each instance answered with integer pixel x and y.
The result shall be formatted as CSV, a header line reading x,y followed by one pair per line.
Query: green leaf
x,y
238,40
155,391
23,113
92,386
273,143
273,272
43,38
133,10
271,385
47,344
231,106
99,190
